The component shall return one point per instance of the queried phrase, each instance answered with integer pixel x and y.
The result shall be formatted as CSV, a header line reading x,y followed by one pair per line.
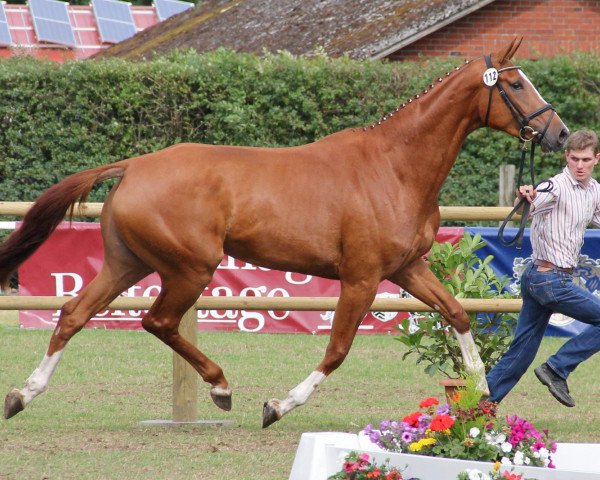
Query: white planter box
x,y
321,454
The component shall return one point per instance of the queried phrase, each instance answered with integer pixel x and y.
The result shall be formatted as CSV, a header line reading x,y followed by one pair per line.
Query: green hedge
x,y
57,119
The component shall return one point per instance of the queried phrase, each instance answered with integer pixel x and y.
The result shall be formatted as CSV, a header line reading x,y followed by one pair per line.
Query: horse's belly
x,y
281,255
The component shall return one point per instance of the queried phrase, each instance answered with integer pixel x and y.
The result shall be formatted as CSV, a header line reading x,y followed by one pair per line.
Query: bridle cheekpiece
x,y
526,132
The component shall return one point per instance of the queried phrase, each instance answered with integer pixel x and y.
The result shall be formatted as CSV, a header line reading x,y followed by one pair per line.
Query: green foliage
x,y
57,119
464,275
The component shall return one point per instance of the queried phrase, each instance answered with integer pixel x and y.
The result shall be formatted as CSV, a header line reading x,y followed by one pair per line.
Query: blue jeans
x,y
543,294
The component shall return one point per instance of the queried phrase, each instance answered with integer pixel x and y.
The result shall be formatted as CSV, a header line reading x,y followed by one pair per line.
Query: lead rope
x,y
517,240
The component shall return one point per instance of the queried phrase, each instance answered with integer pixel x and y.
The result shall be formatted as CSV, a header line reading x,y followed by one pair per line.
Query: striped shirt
x,y
560,218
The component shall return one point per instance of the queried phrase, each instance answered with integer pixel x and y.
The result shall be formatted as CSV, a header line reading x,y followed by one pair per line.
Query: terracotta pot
x,y
451,385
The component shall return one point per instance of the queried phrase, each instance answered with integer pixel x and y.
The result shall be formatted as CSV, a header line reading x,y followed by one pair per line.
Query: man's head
x,y
581,153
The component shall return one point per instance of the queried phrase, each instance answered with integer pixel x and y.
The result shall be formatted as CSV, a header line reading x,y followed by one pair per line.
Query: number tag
x,y
490,77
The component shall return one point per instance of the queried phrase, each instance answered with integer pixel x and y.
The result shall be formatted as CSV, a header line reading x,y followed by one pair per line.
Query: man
x,y
559,220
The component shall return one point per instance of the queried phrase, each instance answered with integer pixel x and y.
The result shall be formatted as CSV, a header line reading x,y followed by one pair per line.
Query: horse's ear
x,y
508,52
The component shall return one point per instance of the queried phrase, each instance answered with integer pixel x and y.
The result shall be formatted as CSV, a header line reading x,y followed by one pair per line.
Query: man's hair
x,y
582,140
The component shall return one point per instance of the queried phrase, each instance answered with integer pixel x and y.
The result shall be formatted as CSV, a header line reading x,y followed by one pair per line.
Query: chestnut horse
x,y
359,205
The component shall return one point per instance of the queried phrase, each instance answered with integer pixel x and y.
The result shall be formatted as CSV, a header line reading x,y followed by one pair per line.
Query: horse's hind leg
x,y
178,294
113,278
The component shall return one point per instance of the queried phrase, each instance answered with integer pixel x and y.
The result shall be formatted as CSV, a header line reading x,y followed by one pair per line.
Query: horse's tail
x,y
47,212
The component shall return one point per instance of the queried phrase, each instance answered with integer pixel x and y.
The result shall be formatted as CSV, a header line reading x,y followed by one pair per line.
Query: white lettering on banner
x,y
59,283
70,284
230,263
290,279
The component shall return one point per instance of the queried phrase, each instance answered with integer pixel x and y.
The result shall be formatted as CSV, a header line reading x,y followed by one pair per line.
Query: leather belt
x,y
547,264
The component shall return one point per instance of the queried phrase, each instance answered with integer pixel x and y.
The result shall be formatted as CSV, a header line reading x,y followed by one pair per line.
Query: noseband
x,y
526,132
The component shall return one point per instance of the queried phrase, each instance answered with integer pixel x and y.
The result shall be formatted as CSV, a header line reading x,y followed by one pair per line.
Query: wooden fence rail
x,y
447,213
15,302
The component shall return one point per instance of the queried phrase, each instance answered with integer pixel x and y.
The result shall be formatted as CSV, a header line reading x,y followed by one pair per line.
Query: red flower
x,y
441,422
428,402
413,419
394,475
374,474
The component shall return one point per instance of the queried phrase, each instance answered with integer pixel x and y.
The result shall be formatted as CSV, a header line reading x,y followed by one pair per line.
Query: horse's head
x,y
511,103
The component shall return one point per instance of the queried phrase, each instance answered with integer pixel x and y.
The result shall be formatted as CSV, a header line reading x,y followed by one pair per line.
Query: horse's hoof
x,y
13,404
221,398
270,415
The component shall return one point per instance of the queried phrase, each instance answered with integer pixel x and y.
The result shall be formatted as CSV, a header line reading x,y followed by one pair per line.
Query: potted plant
x,y
464,275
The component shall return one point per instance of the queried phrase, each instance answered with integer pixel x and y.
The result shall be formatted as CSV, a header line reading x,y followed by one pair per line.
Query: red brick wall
x,y
550,27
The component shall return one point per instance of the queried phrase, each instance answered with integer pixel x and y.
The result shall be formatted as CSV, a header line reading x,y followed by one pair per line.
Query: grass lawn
x,y
86,424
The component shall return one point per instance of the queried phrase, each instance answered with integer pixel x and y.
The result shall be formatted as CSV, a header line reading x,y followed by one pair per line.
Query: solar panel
x,y
115,21
5,38
51,22
168,8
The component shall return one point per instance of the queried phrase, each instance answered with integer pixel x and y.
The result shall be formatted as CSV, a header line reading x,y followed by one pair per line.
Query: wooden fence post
x,y
185,378
506,188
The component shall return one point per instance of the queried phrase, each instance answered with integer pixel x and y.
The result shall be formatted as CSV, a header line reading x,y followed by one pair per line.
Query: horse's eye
x,y
516,86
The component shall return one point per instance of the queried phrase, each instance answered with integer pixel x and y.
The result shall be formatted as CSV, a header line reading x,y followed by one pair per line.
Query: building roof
x,y
358,28
83,23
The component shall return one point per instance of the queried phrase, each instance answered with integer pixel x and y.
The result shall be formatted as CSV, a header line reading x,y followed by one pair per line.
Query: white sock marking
x,y
301,393
473,363
39,379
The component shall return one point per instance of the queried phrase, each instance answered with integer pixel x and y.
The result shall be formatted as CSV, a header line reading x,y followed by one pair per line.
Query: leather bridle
x,y
526,132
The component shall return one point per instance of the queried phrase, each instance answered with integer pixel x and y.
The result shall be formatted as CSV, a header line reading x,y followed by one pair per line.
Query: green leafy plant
x,y
464,275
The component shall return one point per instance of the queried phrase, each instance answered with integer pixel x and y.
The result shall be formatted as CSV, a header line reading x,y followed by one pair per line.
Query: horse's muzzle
x,y
554,139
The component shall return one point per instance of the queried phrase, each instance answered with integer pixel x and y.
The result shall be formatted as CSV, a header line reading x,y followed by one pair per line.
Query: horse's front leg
x,y
355,299
420,282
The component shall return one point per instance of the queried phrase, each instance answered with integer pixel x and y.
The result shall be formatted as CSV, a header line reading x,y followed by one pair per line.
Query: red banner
x,y
73,255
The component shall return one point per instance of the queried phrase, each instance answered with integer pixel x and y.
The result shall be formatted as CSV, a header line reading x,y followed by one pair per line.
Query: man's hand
x,y
528,192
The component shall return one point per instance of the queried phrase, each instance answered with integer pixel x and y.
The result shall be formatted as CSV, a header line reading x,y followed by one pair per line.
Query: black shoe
x,y
557,386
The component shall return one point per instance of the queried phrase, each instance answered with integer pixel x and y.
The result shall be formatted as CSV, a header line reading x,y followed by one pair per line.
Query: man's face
x,y
581,163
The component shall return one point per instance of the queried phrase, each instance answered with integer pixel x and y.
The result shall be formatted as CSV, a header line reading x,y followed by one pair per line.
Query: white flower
x,y
474,432
543,452
475,474
527,460
501,438
506,447
519,458
505,461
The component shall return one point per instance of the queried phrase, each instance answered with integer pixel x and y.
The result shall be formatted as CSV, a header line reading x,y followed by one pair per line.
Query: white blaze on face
x,y
39,379
524,77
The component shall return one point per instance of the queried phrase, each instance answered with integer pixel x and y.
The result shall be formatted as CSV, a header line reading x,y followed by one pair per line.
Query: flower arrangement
x,y
358,467
466,428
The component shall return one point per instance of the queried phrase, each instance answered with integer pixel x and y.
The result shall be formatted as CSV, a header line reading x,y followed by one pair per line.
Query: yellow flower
x,y
425,442
468,442
497,466
415,446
